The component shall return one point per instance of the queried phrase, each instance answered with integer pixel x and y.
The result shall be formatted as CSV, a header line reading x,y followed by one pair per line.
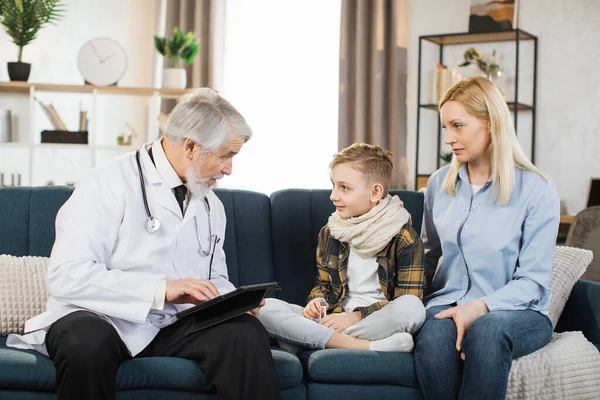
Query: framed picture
x,y
492,16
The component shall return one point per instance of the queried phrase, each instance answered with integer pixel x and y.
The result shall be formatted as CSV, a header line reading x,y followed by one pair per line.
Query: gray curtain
x,y
373,62
194,16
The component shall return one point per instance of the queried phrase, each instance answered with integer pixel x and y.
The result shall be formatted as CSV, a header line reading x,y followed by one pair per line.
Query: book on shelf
x,y
52,116
61,124
83,120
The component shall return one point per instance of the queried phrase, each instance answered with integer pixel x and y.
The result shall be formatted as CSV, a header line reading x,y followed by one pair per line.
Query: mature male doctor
x,y
137,242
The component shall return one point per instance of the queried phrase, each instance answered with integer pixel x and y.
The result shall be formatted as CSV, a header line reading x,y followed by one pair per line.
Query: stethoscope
x,y
152,223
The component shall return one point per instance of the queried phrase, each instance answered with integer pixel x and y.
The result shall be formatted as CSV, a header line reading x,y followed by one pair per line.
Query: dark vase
x,y
18,71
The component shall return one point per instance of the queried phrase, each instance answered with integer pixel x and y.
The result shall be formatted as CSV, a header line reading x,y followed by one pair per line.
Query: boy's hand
x,y
313,309
341,321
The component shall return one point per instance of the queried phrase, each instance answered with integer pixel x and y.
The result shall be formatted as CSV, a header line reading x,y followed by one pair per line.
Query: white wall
x,y
568,86
53,56
54,52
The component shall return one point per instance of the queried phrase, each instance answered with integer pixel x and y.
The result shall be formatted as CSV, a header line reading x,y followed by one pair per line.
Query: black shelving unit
x,y
451,39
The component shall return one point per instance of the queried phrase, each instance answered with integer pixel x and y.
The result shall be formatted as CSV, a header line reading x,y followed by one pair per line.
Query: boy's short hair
x,y
373,161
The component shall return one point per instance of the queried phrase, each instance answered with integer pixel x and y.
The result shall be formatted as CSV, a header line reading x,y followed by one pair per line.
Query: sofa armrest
x,y
582,311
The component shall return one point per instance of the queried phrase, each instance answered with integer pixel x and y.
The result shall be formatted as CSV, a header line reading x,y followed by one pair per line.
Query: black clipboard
x,y
227,306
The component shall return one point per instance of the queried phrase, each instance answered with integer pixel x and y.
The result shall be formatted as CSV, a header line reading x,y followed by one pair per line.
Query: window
x,y
281,71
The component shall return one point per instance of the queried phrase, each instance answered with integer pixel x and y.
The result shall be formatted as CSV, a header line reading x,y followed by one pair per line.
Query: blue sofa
x,y
267,238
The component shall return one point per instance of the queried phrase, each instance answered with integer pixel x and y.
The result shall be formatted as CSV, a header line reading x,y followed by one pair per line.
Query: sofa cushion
x,y
23,292
359,367
297,216
30,370
567,368
247,244
568,264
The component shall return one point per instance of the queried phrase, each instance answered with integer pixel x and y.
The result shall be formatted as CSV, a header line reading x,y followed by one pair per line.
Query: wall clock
x,y
102,61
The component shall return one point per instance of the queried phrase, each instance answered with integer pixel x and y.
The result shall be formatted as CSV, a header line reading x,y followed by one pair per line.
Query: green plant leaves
x,y
159,43
180,47
22,19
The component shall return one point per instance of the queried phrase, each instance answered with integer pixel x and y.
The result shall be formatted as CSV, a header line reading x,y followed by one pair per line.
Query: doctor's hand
x,y
190,290
464,316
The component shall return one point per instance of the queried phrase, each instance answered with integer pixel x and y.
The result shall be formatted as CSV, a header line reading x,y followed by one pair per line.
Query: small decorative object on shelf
x,y
441,81
15,180
176,49
22,20
125,138
73,137
491,70
5,126
492,16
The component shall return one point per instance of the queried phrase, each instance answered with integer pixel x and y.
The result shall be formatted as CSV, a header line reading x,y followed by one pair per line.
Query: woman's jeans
x,y
286,323
490,345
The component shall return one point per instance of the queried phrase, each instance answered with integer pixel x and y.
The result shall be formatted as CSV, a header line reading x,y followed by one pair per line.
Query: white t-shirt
x,y
476,188
363,282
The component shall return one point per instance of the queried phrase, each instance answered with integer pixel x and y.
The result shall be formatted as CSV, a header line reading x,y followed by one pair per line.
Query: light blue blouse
x,y
501,254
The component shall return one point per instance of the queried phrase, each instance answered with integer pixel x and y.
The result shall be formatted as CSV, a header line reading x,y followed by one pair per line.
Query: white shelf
x,y
63,145
15,145
25,88
117,147
39,162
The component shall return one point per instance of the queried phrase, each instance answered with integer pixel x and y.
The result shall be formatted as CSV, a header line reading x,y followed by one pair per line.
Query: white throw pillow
x,y
568,264
567,368
23,292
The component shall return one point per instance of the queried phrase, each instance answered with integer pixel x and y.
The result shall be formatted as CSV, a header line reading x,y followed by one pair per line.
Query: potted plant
x,y
446,157
490,69
177,49
22,20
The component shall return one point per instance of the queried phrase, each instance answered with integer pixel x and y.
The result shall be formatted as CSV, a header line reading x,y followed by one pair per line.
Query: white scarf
x,y
369,233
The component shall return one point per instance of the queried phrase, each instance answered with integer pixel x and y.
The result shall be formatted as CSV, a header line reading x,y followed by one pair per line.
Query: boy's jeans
x,y
286,323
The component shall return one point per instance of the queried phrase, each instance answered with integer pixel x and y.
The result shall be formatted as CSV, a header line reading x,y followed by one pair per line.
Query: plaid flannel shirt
x,y
400,269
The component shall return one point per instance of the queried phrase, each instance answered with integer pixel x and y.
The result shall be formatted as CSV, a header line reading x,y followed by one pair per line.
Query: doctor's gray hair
x,y
206,118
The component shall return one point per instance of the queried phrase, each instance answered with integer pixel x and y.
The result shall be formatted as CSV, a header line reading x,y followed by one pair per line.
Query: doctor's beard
x,y
196,184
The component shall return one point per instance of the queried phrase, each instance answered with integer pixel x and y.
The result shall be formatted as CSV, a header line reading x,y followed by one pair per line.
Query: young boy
x,y
369,288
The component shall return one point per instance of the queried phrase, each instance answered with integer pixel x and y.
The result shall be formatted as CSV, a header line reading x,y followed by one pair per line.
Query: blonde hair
x,y
372,161
482,99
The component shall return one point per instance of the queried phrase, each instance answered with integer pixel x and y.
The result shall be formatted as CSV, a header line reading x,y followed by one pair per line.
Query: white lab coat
x,y
104,261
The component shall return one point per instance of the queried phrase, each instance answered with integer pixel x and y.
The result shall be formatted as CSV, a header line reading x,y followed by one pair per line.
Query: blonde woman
x,y
492,218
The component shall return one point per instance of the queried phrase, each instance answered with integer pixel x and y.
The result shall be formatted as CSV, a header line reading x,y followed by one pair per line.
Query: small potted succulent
x,y
180,48
22,20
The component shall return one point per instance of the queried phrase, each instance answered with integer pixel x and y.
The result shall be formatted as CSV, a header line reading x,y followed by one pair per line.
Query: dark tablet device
x,y
227,306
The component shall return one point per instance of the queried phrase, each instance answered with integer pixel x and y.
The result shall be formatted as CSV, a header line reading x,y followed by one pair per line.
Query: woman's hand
x,y
341,321
463,316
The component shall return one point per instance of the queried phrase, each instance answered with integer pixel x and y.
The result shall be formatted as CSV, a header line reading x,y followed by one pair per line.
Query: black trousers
x,y
235,356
